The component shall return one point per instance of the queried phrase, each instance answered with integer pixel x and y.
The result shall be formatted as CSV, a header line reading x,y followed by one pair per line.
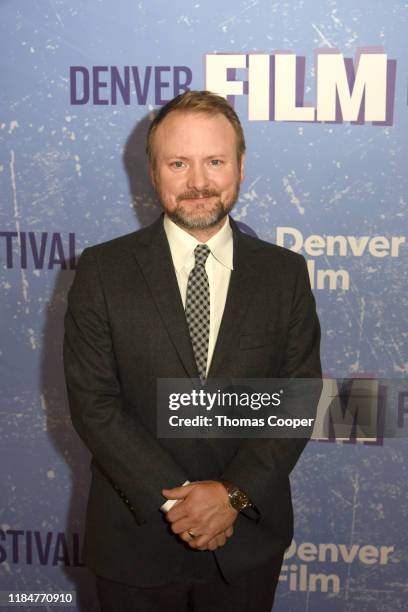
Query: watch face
x,y
239,500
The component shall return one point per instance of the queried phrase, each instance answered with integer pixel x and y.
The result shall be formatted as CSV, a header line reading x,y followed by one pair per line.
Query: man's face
x,y
196,171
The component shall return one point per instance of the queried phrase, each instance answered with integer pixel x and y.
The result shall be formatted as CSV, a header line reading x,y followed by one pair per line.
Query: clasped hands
x,y
202,517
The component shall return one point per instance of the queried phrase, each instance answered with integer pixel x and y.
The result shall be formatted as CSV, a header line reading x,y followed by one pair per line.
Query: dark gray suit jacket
x,y
125,327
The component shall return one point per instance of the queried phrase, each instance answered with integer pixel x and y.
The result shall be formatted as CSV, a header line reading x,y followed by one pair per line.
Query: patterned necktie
x,y
198,308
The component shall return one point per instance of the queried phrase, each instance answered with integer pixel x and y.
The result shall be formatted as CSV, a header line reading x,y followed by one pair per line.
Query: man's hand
x,y
203,510
218,541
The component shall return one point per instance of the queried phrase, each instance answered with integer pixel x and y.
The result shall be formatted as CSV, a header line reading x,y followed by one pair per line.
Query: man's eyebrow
x,y
175,157
216,155
184,158
212,156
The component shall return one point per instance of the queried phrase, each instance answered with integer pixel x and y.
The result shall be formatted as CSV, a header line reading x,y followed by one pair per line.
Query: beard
x,y
202,214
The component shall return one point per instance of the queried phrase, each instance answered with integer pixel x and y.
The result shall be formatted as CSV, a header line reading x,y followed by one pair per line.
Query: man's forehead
x,y
177,120
187,133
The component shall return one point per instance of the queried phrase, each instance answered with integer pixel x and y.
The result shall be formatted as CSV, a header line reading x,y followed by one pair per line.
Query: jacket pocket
x,y
257,340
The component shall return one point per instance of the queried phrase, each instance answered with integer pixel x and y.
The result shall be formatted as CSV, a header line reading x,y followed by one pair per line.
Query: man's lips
x,y
197,198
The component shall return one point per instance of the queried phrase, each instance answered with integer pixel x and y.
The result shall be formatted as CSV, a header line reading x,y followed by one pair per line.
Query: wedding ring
x,y
190,534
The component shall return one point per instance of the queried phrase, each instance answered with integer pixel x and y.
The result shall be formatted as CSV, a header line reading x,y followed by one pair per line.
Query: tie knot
x,y
201,252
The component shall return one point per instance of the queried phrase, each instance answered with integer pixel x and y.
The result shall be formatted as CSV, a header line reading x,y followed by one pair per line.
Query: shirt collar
x,y
182,244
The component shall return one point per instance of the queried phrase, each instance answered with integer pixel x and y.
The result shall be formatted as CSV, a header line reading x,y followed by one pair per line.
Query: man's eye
x,y
177,164
216,162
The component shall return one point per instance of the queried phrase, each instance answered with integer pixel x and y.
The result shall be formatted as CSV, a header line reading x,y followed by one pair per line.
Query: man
x,y
155,541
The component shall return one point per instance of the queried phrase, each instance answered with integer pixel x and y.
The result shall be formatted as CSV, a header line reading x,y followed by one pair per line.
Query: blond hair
x,y
197,102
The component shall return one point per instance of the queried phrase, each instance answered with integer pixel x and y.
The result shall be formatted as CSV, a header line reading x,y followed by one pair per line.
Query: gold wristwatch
x,y
238,499
241,502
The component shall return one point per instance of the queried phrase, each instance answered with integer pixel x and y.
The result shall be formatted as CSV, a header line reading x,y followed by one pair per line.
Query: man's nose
x,y
197,177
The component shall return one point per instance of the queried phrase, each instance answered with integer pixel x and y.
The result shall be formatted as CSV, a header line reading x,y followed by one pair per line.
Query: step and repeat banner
x,y
321,89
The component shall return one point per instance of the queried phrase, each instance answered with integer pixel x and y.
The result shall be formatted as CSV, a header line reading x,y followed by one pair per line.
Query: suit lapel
x,y
154,258
153,254
244,278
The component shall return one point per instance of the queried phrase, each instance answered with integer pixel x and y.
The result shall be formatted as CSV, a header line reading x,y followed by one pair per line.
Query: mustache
x,y
191,195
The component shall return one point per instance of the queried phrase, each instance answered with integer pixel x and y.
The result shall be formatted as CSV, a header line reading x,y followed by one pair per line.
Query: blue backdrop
x,y
79,81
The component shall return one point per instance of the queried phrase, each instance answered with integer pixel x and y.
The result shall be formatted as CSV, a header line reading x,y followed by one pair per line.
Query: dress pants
x,y
252,591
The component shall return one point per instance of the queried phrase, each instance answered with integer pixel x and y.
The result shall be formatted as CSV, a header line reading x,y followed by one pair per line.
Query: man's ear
x,y
151,174
242,167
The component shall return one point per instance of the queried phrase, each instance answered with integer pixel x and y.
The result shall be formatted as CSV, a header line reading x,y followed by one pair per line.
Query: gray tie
x,y
198,308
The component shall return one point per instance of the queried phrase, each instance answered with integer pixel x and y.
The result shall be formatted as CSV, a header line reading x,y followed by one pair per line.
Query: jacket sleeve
x,y
261,465
123,450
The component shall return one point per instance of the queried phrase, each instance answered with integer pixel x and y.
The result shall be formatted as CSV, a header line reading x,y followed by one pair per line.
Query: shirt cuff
x,y
170,502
